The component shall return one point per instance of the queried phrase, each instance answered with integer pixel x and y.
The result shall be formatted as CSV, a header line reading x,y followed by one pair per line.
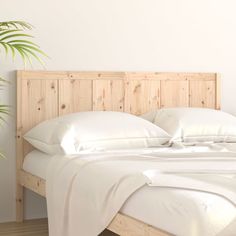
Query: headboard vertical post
x,y
19,151
218,91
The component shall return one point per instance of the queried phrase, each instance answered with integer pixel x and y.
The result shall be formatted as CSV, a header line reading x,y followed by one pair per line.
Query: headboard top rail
x,y
115,75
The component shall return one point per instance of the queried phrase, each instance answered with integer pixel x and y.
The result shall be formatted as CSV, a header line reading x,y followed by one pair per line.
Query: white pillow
x,y
98,130
197,124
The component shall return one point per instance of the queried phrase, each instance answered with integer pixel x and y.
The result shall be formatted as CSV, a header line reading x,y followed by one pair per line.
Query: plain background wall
x,y
120,35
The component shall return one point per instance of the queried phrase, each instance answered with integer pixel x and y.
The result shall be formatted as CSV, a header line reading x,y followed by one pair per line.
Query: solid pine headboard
x,y
43,95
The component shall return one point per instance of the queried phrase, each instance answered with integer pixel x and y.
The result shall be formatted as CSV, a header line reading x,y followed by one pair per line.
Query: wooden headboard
x,y
43,95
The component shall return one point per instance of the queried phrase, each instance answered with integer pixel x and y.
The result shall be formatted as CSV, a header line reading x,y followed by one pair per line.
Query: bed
x,y
43,95
180,211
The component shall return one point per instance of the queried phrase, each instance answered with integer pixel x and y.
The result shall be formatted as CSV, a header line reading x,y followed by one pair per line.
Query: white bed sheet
x,y
176,211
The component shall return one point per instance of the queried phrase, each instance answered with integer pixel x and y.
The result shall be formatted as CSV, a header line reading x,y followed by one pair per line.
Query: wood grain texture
x,y
33,183
75,96
19,151
203,94
174,93
128,226
170,76
108,95
218,91
43,95
142,96
39,103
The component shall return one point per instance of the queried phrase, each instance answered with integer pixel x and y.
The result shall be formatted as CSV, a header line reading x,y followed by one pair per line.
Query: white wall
x,y
126,35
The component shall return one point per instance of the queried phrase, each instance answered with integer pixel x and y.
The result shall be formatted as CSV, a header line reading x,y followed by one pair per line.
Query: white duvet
x,y
84,192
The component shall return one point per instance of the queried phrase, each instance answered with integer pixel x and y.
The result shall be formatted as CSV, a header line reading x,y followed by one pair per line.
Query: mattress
x,y
177,211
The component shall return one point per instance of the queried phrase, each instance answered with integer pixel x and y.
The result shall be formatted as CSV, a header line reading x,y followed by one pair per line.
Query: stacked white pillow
x,y
91,131
192,125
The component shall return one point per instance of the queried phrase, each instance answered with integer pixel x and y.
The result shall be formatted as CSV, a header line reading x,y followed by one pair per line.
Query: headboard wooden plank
x,y
108,95
174,93
141,95
75,96
202,94
39,102
43,95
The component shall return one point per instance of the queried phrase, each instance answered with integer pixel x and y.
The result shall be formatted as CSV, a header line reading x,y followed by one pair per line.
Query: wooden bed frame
x,y
43,95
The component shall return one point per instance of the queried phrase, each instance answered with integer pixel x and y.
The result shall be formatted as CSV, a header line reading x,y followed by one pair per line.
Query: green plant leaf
x,y
5,47
22,54
2,155
8,32
3,82
4,111
15,35
16,25
29,47
12,50
27,51
22,41
16,42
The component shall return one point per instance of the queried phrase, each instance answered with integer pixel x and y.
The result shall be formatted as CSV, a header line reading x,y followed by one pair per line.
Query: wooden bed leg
x,y
19,153
19,203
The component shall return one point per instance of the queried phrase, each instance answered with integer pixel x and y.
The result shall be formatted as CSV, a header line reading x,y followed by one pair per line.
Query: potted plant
x,y
14,40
